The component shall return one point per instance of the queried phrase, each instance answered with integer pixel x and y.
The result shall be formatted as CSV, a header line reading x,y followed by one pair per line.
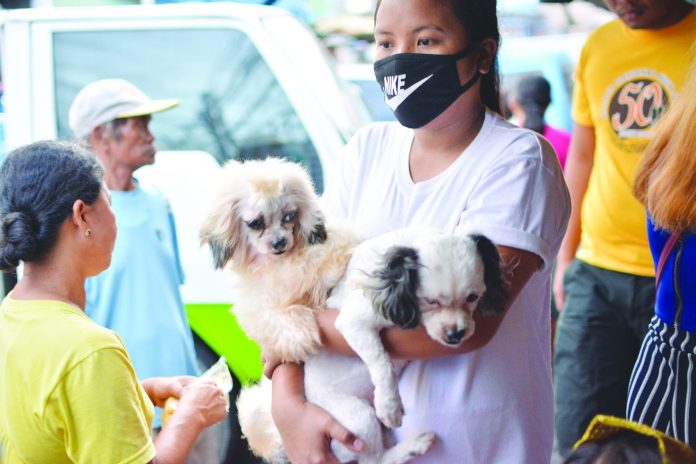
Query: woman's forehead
x,y
415,16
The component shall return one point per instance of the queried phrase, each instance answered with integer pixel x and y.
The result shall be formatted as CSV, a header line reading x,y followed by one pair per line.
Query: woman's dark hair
x,y
38,185
624,447
480,19
533,94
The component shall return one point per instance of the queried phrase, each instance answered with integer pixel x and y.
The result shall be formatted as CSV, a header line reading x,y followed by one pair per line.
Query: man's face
x,y
134,144
645,14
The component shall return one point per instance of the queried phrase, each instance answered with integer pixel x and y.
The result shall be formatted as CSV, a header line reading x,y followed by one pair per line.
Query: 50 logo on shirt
x,y
633,104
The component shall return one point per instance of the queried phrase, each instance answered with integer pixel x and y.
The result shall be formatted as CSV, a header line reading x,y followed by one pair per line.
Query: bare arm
x,y
201,404
577,174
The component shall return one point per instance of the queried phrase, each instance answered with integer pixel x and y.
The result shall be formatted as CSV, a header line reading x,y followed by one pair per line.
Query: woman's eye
x,y
424,42
384,45
256,224
289,217
471,298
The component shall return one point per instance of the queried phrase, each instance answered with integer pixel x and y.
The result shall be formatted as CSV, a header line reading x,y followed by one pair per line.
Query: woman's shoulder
x,y
86,336
61,332
513,144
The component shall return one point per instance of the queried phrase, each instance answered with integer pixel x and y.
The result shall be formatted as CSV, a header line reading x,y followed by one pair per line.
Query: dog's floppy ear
x,y
394,285
221,229
318,235
493,276
220,250
299,185
221,233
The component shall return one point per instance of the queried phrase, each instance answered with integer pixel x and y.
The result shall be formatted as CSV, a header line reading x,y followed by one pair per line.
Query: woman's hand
x,y
203,402
308,438
306,429
159,389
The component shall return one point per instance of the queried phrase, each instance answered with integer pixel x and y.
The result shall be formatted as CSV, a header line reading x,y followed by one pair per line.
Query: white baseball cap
x,y
107,99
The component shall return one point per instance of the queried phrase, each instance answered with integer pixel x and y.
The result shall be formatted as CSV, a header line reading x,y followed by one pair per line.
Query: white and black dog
x,y
399,279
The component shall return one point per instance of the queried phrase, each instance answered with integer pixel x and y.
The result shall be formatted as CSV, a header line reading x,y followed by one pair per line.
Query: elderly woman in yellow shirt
x,y
68,392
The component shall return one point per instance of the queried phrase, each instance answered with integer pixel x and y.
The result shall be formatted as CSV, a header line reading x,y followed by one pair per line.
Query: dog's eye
x,y
472,297
289,217
432,302
256,224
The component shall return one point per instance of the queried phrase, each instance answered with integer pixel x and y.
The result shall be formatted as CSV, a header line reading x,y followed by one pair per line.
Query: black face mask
x,y
418,87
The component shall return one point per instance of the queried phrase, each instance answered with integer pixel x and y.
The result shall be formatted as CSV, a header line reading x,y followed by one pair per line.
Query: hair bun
x,y
18,239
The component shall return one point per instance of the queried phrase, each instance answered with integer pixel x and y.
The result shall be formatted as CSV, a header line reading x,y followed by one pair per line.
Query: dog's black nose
x,y
453,336
279,244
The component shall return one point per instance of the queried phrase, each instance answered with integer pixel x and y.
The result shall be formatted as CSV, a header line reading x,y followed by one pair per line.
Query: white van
x,y
253,81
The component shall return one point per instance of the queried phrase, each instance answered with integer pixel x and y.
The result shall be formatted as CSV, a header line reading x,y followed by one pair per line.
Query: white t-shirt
x,y
494,405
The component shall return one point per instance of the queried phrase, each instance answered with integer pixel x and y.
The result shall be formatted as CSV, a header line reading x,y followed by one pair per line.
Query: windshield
x,y
232,106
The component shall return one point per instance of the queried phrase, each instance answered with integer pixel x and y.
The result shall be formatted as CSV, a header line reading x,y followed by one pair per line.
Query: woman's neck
x,y
46,281
435,149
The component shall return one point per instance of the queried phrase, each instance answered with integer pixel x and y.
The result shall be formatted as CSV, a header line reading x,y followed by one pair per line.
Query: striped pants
x,y
662,390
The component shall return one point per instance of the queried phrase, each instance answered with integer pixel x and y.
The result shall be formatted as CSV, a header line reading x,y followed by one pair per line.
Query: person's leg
x,y
595,351
684,398
650,391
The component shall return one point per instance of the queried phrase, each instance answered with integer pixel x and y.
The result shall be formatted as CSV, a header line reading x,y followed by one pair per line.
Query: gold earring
x,y
88,232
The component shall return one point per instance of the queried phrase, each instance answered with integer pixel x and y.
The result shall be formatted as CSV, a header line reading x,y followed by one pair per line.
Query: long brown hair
x,y
666,179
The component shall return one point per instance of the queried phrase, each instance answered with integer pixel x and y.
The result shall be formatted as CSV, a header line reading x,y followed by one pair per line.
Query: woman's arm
x,y
201,404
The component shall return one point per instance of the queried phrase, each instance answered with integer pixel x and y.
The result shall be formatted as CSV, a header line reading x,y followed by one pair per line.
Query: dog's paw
x,y
297,349
389,410
421,443
299,338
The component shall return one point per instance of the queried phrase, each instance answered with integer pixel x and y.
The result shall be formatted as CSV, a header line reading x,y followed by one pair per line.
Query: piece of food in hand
x,y
218,374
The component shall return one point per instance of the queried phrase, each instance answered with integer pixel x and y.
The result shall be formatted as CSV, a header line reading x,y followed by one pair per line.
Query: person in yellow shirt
x,y
68,391
630,70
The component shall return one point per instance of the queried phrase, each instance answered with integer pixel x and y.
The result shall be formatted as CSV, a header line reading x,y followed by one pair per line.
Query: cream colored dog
x,y
266,223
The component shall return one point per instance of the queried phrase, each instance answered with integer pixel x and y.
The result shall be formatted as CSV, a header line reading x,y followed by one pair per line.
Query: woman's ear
x,y
488,48
78,216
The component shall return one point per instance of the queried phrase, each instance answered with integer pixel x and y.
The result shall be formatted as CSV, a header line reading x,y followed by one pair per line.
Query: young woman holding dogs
x,y
459,167
68,391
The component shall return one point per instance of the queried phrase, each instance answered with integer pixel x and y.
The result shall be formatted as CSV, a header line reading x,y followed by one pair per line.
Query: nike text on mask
x,y
418,87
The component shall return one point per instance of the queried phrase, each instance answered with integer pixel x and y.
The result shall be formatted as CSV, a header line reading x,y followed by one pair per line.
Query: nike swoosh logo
x,y
399,98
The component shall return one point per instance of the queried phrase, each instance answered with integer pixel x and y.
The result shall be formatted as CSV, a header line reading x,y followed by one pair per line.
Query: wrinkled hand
x,y
307,431
204,402
161,388
558,290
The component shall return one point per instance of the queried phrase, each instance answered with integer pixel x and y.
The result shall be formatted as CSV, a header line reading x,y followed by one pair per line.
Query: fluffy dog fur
x,y
286,265
265,222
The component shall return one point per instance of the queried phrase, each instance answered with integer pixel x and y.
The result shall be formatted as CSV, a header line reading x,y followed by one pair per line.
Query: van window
x,y
232,105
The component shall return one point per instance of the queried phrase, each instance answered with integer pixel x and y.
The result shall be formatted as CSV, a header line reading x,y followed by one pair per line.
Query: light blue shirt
x,y
138,296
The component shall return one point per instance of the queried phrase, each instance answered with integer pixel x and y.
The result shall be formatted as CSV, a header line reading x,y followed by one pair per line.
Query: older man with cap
x,y
138,296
